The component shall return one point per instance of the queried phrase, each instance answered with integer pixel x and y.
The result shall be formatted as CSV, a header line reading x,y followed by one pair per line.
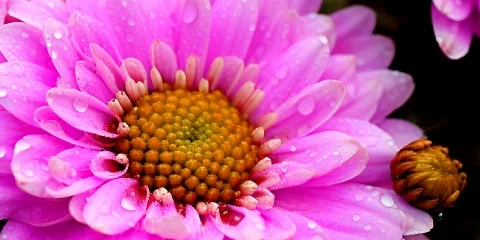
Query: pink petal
x,y
353,211
193,222
90,83
333,156
165,222
107,69
210,232
318,25
77,204
23,87
164,59
277,225
402,132
86,30
305,228
15,230
290,173
82,111
311,107
60,48
354,21
305,6
3,11
36,12
275,20
341,67
454,9
116,206
230,77
56,126
71,172
194,25
134,69
379,145
104,166
233,25
11,130
249,226
372,51
417,237
23,42
453,37
30,162
397,88
283,77
362,98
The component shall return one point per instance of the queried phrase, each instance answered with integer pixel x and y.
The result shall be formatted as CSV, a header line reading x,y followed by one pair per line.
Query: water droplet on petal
x,y
124,3
54,54
80,105
4,236
190,12
131,22
367,227
293,149
368,187
57,33
390,142
375,193
3,92
356,218
282,72
2,151
306,105
312,224
336,153
386,201
24,35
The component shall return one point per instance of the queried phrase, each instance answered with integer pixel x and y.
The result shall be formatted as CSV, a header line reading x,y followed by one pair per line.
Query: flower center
x,y
196,145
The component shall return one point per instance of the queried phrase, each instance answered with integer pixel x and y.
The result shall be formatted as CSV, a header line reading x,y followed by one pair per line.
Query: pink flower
x,y
455,23
315,164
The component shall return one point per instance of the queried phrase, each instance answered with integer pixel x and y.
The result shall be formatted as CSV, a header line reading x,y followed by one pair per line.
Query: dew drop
x,y
131,22
54,54
24,35
356,218
312,224
306,105
390,142
323,39
4,236
368,187
57,33
375,193
2,151
293,149
359,197
367,227
190,12
124,3
386,201
80,105
335,153
282,72
3,92
129,37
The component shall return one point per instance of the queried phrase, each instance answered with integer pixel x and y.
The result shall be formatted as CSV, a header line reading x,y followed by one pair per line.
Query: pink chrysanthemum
x,y
455,22
224,123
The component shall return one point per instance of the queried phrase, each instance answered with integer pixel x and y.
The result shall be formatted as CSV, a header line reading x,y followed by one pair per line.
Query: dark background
x,y
445,101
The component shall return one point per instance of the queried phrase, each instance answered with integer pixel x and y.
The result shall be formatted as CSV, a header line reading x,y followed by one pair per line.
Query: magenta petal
x,y
277,225
165,222
82,111
455,9
232,29
311,107
352,211
210,232
193,222
116,206
71,230
77,204
397,88
23,87
354,21
290,173
60,48
283,78
3,11
30,162
104,166
453,37
164,59
304,227
251,225
402,132
86,30
131,68
275,20
230,77
313,24
90,83
305,6
16,36
36,13
107,69
372,51
194,19
11,130
341,67
53,124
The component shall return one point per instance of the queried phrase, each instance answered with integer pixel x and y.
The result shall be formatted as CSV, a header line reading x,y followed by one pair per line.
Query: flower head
x,y
454,23
199,119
